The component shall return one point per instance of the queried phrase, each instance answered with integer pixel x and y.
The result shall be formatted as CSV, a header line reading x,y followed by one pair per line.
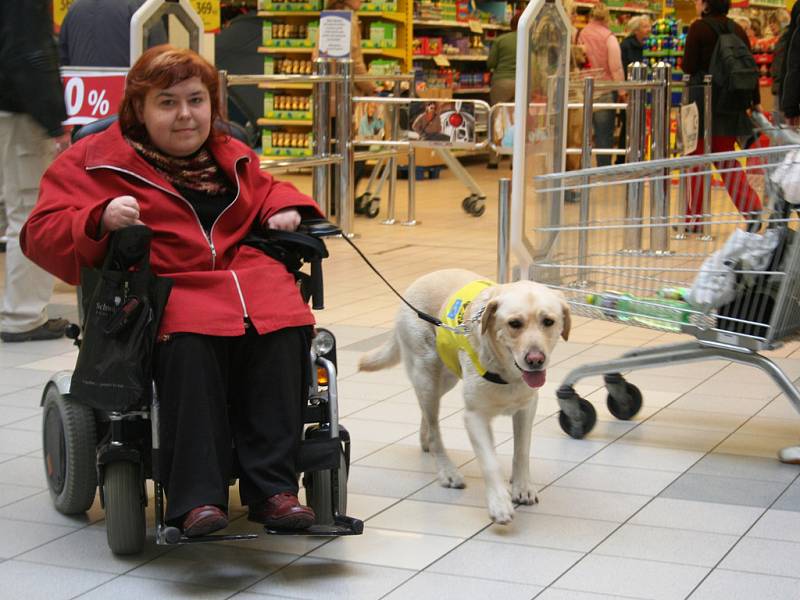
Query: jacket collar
x,y
109,149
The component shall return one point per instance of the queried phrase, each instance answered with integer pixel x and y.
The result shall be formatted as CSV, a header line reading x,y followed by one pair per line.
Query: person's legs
x,y
191,373
25,153
603,122
733,177
269,387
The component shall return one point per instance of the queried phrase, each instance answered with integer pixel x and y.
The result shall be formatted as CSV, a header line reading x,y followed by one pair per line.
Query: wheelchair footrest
x,y
341,525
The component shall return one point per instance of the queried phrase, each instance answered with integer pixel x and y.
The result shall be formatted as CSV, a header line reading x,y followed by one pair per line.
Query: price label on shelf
x,y
91,95
475,27
441,60
209,13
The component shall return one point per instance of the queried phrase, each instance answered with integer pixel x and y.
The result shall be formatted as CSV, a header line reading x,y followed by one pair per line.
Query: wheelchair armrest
x,y
318,228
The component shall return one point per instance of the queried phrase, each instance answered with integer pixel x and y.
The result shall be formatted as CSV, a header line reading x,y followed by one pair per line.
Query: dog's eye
x,y
548,322
515,324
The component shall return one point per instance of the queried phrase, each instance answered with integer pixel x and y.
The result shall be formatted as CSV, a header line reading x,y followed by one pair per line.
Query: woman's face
x,y
177,119
699,7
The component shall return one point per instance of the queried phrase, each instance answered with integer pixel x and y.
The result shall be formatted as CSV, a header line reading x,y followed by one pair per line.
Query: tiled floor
x,y
686,500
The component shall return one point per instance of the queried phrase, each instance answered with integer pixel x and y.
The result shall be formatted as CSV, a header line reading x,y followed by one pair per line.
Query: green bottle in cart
x,y
658,312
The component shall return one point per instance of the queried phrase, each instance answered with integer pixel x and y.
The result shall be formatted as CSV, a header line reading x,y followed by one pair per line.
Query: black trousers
x,y
249,390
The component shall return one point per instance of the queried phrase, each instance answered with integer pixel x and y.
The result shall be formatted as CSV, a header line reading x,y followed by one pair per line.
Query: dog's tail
x,y
386,356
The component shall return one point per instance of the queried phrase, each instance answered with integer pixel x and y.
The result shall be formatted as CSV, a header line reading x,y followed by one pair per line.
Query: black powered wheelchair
x,y
86,449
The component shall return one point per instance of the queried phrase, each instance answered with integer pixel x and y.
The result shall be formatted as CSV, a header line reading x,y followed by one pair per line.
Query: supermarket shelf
x,y
459,24
288,13
455,57
285,86
285,122
393,52
477,90
628,9
397,17
271,50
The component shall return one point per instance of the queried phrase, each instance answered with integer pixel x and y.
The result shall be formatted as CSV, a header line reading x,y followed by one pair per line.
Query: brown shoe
x,y
204,520
282,511
50,330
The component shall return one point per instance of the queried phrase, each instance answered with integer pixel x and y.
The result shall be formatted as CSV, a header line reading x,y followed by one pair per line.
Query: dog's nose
x,y
534,359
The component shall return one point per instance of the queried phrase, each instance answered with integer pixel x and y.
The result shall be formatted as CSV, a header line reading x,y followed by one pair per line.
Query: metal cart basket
x,y
643,248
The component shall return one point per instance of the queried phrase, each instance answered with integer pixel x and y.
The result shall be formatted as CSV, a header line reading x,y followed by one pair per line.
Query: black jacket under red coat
x,y
29,77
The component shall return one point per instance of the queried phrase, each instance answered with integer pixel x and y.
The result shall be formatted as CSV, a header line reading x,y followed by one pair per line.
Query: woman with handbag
x,y
231,362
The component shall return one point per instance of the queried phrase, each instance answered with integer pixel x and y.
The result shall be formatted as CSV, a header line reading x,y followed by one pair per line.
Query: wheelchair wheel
x,y
125,524
326,491
69,442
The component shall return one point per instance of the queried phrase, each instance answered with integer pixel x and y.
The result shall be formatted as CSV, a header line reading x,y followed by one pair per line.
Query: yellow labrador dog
x,y
509,332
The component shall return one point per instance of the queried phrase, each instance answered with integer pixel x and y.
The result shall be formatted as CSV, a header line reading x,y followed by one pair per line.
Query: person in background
x,y
778,23
231,362
726,126
603,52
790,82
97,33
31,112
632,51
502,62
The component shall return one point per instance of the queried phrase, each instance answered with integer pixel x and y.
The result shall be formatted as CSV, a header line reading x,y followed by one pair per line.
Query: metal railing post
x,y
503,230
634,209
322,136
344,134
391,206
411,219
683,199
659,238
706,151
586,162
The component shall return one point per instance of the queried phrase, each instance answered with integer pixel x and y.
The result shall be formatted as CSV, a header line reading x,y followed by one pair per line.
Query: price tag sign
x,y
335,33
441,60
475,27
209,13
60,8
91,95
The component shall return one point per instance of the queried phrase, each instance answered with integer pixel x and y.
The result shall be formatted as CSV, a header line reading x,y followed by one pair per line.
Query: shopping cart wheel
x,y
466,204
578,428
624,399
373,208
362,203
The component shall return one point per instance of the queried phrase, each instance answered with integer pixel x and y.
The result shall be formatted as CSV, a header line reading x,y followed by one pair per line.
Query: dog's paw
x,y
501,510
451,478
523,495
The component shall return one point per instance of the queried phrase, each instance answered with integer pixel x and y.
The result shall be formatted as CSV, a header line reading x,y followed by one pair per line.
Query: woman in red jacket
x,y
235,331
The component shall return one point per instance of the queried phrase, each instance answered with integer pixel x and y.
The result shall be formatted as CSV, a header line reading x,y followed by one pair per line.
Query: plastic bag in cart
x,y
715,284
787,177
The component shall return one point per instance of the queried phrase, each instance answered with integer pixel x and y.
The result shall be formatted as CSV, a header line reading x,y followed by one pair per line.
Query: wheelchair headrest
x,y
230,128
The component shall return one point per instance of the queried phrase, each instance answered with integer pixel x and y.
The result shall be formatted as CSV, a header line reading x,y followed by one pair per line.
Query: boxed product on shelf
x,y
378,6
276,5
279,143
384,66
428,46
287,107
289,35
381,35
287,66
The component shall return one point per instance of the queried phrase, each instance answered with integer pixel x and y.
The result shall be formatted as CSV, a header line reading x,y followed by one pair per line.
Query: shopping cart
x,y
642,248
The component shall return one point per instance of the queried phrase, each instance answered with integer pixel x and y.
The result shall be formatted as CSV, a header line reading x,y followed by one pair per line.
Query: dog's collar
x,y
494,378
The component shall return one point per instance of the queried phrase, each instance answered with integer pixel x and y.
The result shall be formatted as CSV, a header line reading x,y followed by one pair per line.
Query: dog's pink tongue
x,y
534,379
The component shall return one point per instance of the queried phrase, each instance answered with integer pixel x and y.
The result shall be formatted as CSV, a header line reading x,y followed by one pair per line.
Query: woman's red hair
x,y
161,67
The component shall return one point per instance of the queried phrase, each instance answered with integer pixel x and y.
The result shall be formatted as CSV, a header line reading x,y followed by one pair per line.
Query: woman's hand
x,y
122,211
286,220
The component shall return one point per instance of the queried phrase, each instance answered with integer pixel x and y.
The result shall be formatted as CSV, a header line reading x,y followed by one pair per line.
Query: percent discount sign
x,y
91,95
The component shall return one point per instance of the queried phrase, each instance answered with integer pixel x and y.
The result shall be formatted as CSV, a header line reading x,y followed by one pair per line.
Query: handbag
x,y
122,307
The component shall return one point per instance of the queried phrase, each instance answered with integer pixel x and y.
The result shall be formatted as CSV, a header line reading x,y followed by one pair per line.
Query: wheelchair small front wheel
x,y
125,523
69,441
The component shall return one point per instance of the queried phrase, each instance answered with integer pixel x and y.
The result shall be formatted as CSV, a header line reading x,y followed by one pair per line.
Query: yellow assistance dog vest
x,y
448,343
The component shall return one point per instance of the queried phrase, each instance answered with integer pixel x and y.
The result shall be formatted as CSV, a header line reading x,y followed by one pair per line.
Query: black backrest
x,y
234,130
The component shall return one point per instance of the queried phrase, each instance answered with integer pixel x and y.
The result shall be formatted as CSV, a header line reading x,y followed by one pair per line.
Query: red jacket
x,y
217,281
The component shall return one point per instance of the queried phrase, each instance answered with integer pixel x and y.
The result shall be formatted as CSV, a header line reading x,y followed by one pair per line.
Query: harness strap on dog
x,y
460,329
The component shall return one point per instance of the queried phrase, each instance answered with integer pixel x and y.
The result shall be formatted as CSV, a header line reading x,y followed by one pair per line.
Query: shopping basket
x,y
658,245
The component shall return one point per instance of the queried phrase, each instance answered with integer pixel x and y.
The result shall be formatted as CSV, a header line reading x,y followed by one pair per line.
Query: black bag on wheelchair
x,y
122,307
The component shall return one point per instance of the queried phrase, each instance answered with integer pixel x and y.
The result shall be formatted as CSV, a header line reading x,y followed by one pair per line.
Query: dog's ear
x,y
488,315
567,320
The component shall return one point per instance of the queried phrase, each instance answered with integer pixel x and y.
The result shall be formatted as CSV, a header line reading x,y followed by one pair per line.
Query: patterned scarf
x,y
198,171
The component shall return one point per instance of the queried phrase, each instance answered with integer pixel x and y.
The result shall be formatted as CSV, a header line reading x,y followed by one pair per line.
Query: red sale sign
x,y
92,94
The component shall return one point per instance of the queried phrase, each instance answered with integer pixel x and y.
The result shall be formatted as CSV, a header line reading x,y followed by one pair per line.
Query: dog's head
x,y
523,321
